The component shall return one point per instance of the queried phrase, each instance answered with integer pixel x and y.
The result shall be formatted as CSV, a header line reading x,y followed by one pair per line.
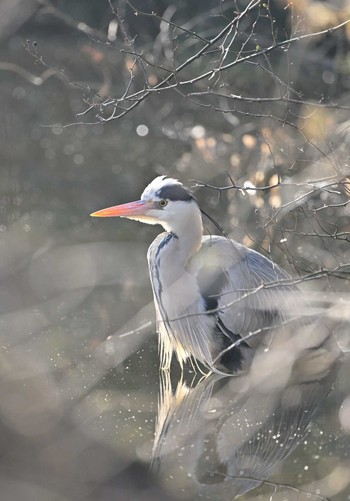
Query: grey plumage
x,y
222,297
215,299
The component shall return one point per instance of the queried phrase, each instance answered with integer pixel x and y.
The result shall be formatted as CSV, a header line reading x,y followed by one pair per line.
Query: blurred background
x,y
259,103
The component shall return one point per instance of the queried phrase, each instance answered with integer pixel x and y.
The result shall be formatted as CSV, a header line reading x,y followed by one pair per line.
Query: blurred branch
x,y
259,100
13,13
27,75
93,33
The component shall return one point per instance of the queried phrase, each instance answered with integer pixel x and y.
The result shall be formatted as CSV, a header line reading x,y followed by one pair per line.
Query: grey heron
x,y
209,292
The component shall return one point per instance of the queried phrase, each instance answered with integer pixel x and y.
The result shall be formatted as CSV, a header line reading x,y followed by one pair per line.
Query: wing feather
x,y
253,292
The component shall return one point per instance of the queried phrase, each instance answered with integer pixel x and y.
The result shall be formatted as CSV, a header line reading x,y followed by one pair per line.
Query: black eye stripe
x,y
175,192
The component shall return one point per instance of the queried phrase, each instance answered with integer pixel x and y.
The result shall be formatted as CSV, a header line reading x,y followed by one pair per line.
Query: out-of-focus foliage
x,y
79,365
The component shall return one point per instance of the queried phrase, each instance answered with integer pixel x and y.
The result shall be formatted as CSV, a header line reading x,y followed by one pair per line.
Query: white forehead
x,y
152,190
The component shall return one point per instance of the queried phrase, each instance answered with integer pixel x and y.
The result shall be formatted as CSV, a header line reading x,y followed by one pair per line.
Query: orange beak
x,y
131,209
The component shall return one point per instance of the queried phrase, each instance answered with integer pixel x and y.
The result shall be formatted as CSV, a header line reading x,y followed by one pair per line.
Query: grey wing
x,y
249,292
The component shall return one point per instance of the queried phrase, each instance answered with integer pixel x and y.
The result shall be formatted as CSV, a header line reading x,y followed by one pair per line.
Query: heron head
x,y
164,201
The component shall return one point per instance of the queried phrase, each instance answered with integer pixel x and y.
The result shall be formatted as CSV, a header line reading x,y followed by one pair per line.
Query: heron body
x,y
209,292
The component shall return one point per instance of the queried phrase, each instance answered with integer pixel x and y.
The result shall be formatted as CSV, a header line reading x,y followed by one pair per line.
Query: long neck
x,y
188,231
175,248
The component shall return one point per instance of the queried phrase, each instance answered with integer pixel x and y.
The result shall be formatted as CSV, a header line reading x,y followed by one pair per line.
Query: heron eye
x,y
163,203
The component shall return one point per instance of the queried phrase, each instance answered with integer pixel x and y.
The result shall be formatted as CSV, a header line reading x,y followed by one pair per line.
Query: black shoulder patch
x,y
211,280
175,192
